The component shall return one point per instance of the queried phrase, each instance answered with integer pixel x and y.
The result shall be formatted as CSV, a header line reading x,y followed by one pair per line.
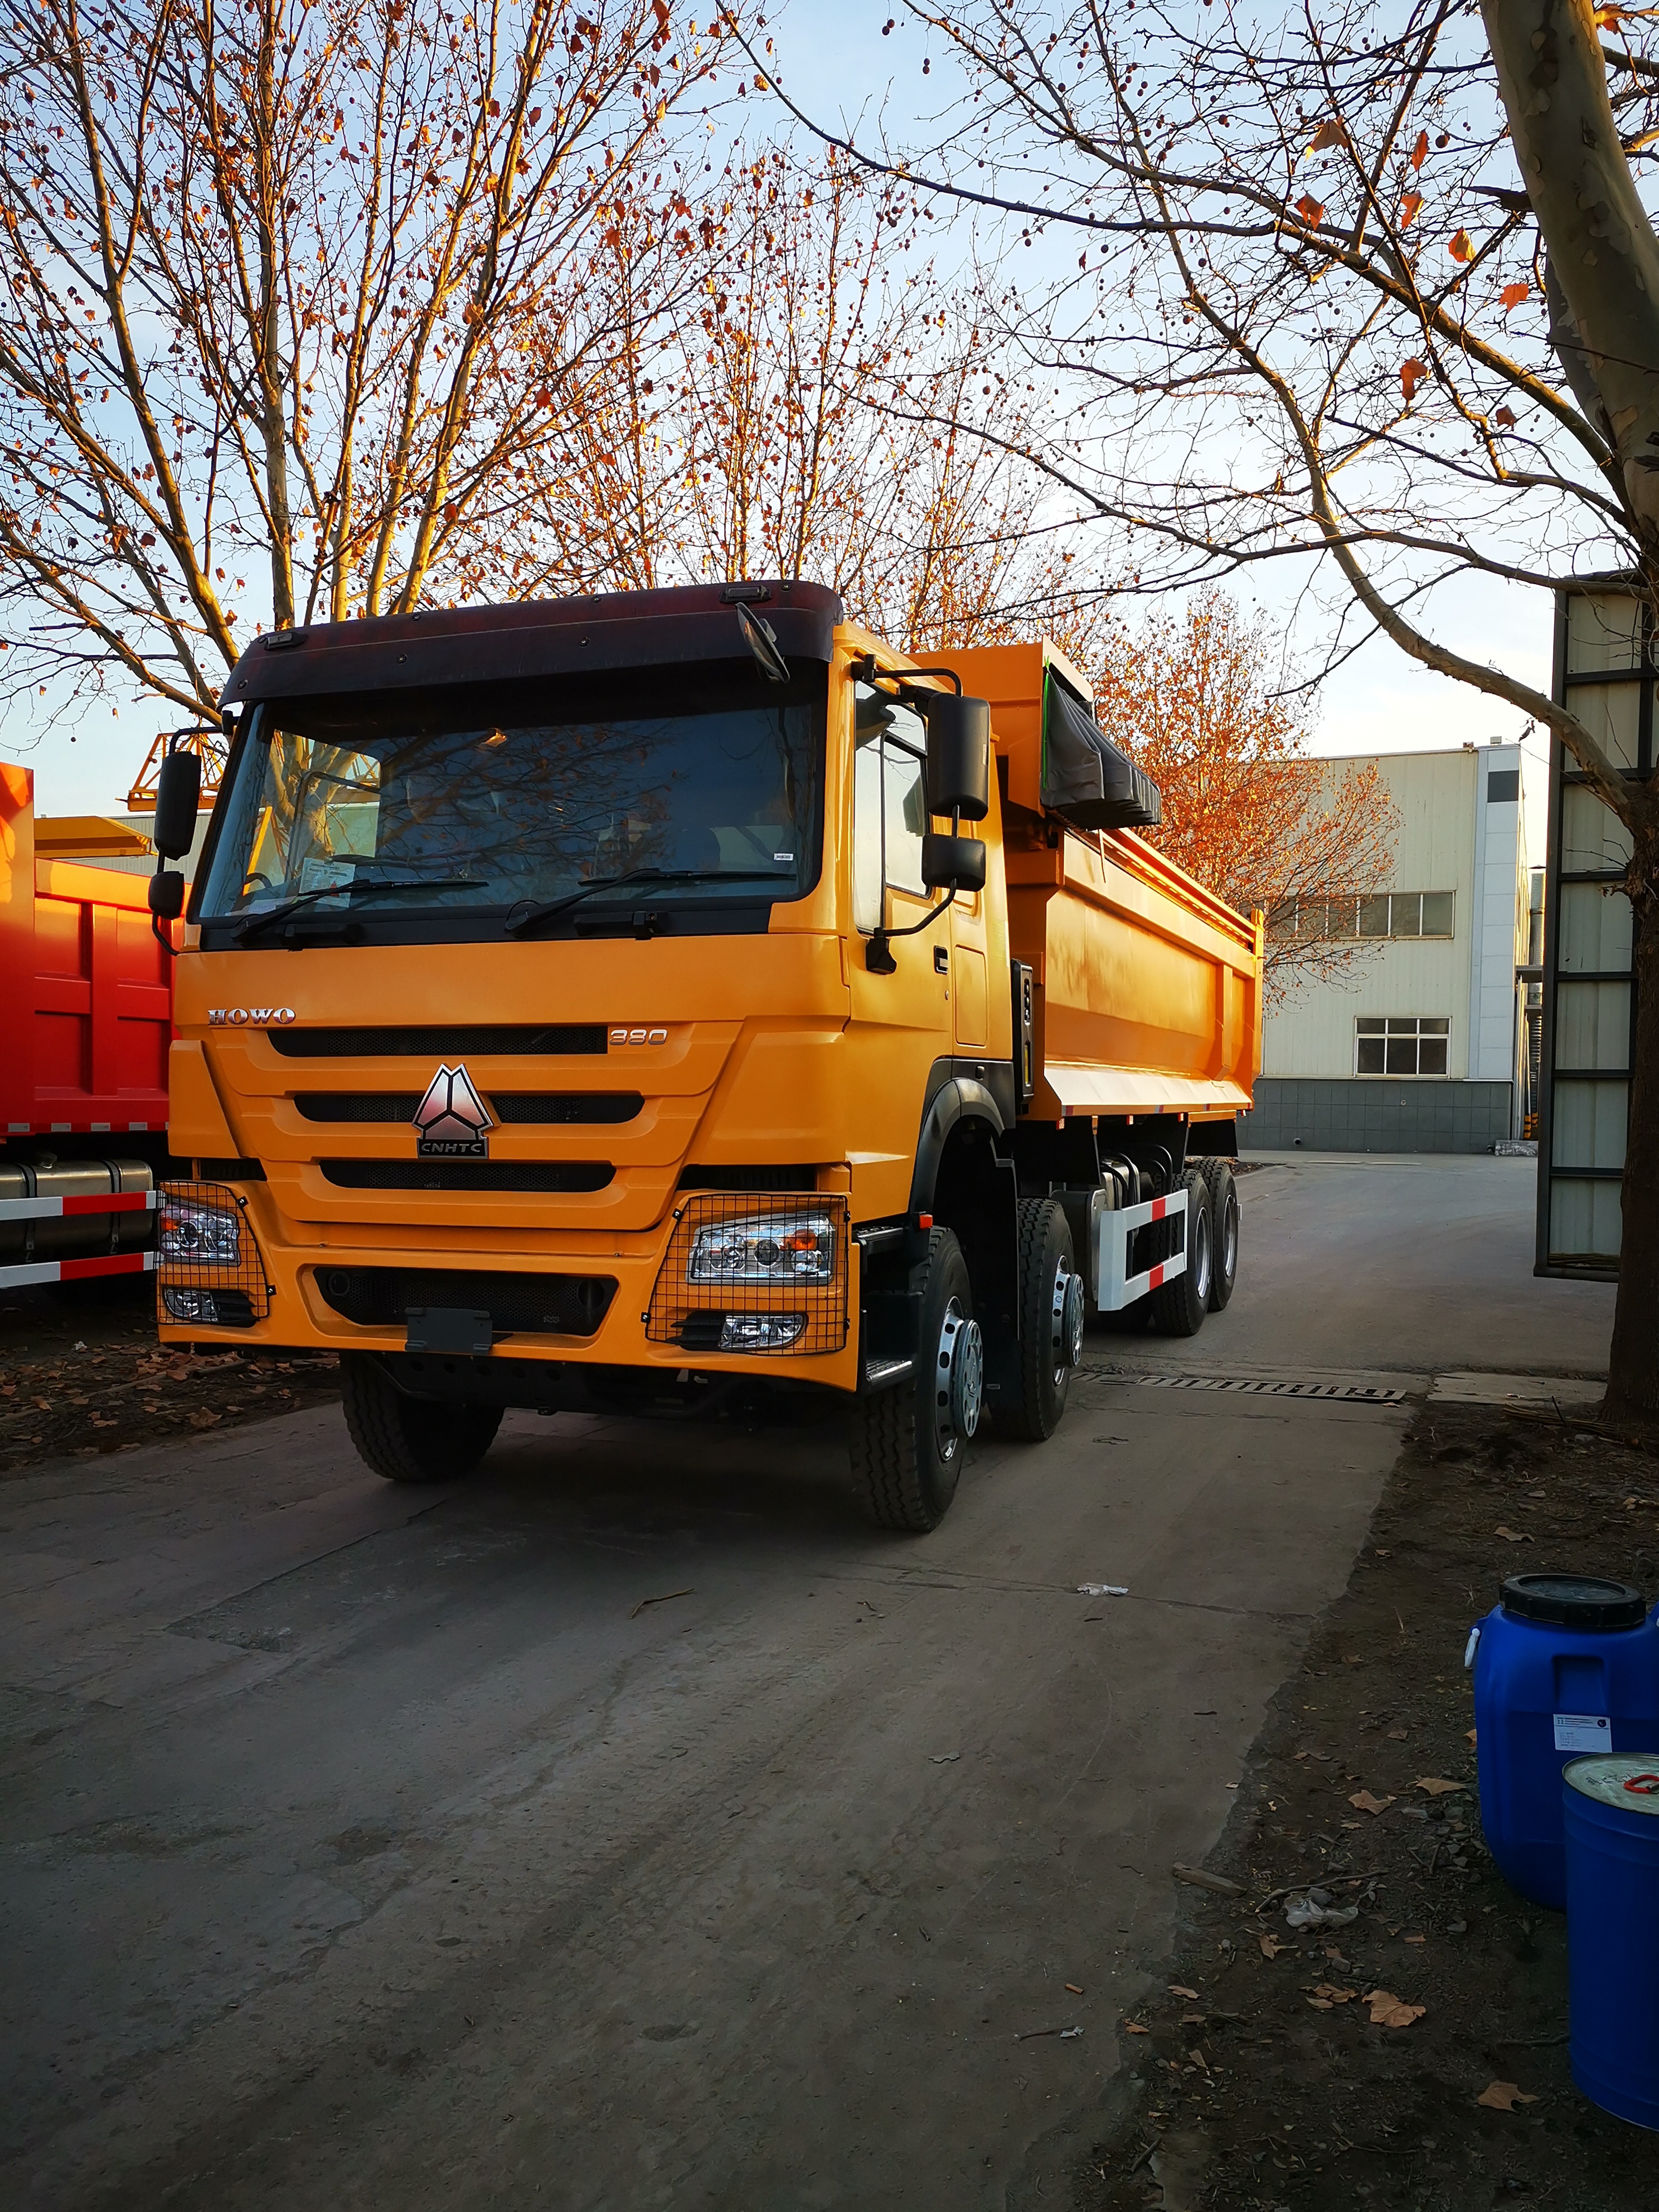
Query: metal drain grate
x,y
1262,1386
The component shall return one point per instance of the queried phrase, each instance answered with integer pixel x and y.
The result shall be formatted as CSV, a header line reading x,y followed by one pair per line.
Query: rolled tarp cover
x,y
1084,775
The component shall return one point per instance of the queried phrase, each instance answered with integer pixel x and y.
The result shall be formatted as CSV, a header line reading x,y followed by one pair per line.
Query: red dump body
x,y
85,994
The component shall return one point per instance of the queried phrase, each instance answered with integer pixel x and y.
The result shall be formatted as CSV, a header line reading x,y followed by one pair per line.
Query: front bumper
x,y
580,1298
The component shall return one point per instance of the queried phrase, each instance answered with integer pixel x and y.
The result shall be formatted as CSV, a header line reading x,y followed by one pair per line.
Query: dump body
x,y
85,992
544,961
1147,986
85,1022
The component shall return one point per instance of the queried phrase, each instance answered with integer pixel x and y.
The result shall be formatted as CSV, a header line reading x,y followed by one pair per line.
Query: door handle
x,y
941,960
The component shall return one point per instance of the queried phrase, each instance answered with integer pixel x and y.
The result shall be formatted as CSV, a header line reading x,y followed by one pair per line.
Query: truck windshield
x,y
406,804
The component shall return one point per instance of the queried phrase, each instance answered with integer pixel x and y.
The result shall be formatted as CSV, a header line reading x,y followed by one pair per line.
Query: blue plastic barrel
x,y
1565,1665
1610,1812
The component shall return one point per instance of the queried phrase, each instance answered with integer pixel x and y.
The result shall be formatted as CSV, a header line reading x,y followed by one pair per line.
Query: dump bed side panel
x,y
1148,986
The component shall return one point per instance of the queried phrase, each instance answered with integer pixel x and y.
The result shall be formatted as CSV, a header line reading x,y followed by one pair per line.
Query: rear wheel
x,y
1051,1311
909,1443
1224,1217
1180,1304
411,1439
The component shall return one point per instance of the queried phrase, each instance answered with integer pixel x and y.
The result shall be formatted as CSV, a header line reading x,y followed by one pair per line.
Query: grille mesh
x,y
557,1305
469,1174
499,1039
690,1314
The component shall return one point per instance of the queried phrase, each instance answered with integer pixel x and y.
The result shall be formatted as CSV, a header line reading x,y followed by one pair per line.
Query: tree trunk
x,y
1633,1367
1602,252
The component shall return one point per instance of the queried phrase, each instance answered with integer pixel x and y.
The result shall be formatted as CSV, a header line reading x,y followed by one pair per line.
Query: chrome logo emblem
x,y
451,1120
237,1017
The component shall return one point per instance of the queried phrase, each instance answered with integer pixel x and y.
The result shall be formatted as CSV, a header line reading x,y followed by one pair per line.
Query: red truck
x,y
86,1019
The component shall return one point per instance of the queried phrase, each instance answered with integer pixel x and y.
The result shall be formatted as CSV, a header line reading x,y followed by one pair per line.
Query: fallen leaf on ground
x,y
202,1418
1332,1994
1390,2011
1468,1735
1134,2027
1271,1947
1396,1735
1363,1802
1504,2096
1415,1939
1511,1536
1434,1785
1180,1989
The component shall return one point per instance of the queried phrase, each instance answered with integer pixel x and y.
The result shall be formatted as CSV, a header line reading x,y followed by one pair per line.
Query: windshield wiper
x,y
517,922
251,924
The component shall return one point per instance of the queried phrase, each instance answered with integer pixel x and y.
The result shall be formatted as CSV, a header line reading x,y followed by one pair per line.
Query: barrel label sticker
x,y
1583,1732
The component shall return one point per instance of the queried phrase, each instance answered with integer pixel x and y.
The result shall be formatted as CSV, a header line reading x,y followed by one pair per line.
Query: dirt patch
x,y
1269,2077
82,1371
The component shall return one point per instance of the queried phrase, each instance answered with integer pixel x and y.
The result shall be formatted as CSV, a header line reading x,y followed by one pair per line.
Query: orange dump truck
x,y
632,1000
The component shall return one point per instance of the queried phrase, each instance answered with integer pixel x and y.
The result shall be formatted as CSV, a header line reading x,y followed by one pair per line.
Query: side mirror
x,y
166,895
178,796
958,756
956,863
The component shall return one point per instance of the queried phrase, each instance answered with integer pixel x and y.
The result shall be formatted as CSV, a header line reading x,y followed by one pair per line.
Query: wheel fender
x,y
959,1096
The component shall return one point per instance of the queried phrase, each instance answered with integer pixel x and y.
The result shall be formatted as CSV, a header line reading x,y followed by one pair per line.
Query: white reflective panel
x,y
1584,1219
1588,1122
1592,836
1592,1026
1603,631
1595,931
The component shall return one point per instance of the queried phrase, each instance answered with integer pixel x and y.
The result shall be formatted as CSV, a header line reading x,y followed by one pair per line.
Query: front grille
x,y
787,1178
558,1305
469,1174
534,1108
500,1039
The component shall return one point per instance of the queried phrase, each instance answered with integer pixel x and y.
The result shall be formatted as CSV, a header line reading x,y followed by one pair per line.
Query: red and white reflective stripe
x,y
1114,1287
53,1209
75,1271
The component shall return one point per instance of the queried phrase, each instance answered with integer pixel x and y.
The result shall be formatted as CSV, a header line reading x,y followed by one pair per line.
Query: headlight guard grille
x,y
803,1227
237,1290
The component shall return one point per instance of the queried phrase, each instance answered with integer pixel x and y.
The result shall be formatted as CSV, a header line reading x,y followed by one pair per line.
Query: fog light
x,y
192,1305
752,1332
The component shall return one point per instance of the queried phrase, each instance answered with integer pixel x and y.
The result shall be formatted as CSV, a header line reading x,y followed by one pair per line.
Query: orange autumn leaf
x,y
1420,151
1412,374
1505,421
1408,207
1513,294
1332,133
1311,209
1462,247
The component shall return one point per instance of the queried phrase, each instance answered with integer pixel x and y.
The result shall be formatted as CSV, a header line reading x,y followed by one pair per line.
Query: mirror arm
x,y
877,958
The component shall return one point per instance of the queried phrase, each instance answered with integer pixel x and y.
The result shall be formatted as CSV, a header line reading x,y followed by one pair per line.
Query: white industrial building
x,y
1421,1043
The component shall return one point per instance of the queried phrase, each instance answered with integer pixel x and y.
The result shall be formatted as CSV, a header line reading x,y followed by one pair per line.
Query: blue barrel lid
x,y
1627,1780
1573,1600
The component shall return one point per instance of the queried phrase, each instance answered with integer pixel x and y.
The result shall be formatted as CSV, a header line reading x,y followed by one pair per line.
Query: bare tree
x,y
271,282
1371,283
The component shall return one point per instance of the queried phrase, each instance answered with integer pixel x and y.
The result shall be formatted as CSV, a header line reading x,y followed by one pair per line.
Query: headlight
x,y
795,1248
203,1235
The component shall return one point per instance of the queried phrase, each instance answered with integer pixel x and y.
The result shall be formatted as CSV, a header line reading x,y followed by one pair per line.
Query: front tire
x,y
1051,1314
411,1439
1179,1305
909,1443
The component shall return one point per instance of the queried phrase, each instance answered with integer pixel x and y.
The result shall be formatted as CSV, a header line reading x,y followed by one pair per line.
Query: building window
x,y
1400,1044
1381,915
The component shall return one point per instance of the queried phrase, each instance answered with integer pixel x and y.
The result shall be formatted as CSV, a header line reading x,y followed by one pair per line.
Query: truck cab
x,y
626,1000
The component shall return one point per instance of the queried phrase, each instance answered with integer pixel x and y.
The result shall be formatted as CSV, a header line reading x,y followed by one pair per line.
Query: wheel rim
x,y
958,1380
1230,1237
1065,1319
1201,1254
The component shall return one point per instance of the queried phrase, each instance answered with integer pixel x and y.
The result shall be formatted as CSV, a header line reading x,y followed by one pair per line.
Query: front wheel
x,y
908,1442
1180,1304
411,1439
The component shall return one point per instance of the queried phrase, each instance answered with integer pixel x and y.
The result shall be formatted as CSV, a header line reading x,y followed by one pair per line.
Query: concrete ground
x,y
630,1827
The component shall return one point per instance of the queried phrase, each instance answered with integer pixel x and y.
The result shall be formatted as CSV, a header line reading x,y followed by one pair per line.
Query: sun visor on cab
x,y
1084,775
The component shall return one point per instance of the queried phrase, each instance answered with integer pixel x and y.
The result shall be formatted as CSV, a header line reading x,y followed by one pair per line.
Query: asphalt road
x,y
630,1826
